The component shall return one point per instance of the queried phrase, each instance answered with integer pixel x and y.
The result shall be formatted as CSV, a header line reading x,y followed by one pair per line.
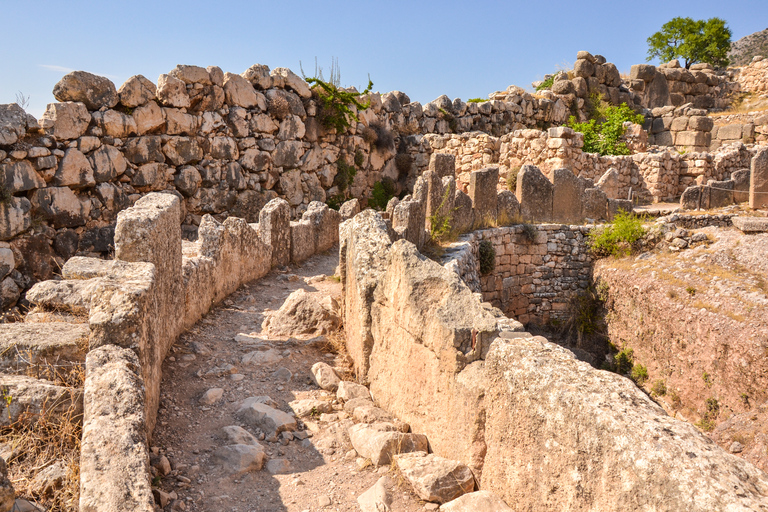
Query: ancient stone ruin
x,y
128,214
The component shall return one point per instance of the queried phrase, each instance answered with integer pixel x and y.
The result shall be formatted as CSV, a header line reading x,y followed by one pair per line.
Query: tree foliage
x,y
603,132
693,40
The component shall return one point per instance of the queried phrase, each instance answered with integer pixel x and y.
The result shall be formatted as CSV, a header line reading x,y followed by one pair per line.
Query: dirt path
x,y
321,472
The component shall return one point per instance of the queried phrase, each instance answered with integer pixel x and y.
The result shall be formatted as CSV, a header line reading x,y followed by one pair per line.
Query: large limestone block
x,y
463,216
350,390
720,193
443,164
609,183
240,458
376,498
381,446
64,295
149,117
302,241
275,230
325,376
479,501
28,344
92,90
20,176
108,163
507,207
32,397
61,206
114,453
303,313
434,478
260,415
656,93
567,194
136,91
191,74
240,93
66,121
258,75
758,180
645,72
74,170
482,192
293,81
14,217
652,462
740,185
535,194
325,225
594,204
143,150
115,124
172,92
13,124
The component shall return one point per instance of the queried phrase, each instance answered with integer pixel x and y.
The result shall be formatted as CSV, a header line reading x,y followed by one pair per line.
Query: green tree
x,y
693,40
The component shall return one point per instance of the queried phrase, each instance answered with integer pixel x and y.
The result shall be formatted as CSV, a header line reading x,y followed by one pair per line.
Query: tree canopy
x,y
693,40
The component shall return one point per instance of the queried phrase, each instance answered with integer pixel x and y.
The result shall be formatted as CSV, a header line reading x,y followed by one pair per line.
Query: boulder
x,y
479,501
260,415
32,397
108,163
92,90
212,396
310,407
258,75
507,207
349,209
172,92
535,194
13,123
351,390
482,192
325,376
115,124
20,176
758,181
240,458
136,91
274,230
567,193
303,313
74,171
609,183
239,92
434,478
60,206
442,164
293,81
238,435
376,498
380,446
191,74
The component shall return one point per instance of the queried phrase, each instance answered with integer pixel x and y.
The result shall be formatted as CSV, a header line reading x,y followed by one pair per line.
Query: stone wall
x,y
672,85
137,304
536,426
754,77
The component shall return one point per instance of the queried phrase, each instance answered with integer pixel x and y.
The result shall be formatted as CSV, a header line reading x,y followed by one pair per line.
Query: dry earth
x,y
321,472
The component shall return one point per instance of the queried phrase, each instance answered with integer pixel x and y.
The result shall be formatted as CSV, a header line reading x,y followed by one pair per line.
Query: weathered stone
x,y
507,207
178,123
720,193
325,376
740,185
656,93
187,180
13,124
9,293
302,313
730,132
609,183
751,224
564,87
350,390
238,435
108,163
114,123
291,128
151,176
262,357
191,74
92,90
535,194
692,138
463,217
310,407
172,92
274,230
74,170
594,204
376,498
20,176
7,262
265,417
758,180
482,192
566,197
240,458
258,75
349,209
325,225
290,186
443,164
149,118
136,91
645,72
434,478
479,501
211,396
25,345
239,92
142,150
60,206
381,446
583,68
617,205
32,397
287,154
293,81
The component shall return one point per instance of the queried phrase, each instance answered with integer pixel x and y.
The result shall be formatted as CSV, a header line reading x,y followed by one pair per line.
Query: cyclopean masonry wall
x,y
137,304
537,427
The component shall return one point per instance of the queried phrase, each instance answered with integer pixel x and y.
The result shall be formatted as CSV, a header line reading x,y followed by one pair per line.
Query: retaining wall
x,y
539,428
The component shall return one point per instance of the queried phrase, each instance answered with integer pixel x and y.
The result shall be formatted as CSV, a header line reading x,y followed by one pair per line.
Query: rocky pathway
x,y
215,374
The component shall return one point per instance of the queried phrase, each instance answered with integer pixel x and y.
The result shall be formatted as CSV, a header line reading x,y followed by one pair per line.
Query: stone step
x,y
24,346
24,399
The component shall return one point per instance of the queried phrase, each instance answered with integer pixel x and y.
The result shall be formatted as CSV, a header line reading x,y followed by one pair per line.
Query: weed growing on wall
x,y
603,131
477,100
619,238
512,179
639,374
487,256
337,106
381,193
440,222
707,422
546,84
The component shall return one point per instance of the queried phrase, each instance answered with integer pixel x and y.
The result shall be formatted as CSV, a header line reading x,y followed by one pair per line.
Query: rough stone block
x,y
594,204
720,193
302,240
691,138
566,196
274,230
507,208
691,198
751,224
482,192
463,217
758,180
442,164
325,225
729,132
740,185
614,205
535,193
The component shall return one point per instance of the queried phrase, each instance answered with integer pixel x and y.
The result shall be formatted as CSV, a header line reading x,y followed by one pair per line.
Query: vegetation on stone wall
x,y
381,193
487,256
692,40
619,238
603,131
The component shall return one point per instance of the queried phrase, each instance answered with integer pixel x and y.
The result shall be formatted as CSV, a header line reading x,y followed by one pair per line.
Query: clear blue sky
x,y
462,49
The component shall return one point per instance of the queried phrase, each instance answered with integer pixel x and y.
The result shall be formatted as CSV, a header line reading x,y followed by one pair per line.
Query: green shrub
x,y
359,158
546,84
440,222
639,374
381,193
336,201
707,422
512,179
602,133
487,257
336,104
345,174
403,163
477,100
623,361
659,388
617,239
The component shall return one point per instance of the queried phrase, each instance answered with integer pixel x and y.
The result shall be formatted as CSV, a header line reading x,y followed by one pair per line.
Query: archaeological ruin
x,y
463,237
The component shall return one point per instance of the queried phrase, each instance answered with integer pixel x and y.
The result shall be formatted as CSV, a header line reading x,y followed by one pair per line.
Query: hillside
x,y
747,47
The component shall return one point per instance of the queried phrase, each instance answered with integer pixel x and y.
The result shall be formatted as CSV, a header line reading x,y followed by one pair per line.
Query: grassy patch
x,y
619,238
